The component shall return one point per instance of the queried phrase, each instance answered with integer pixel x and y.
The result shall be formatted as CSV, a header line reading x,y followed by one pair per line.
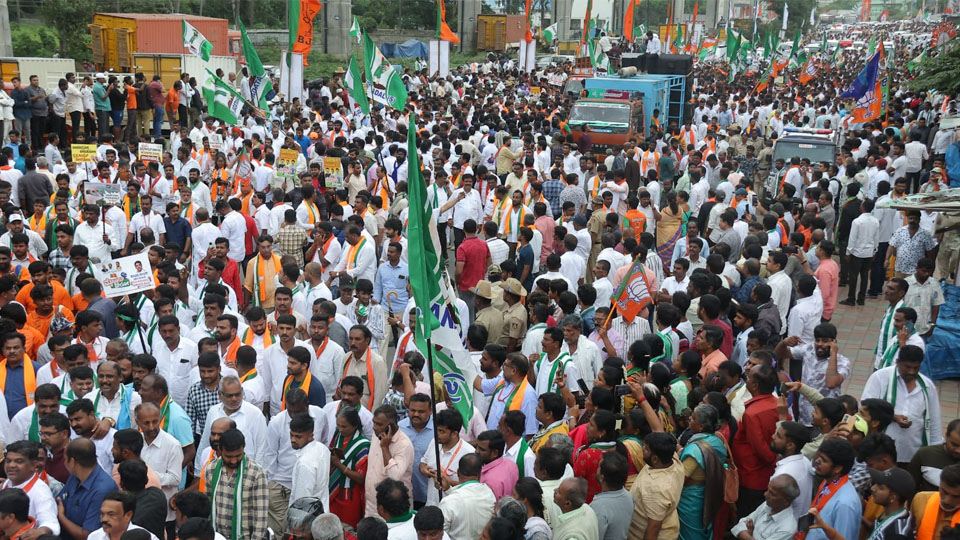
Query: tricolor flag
x,y
194,42
708,48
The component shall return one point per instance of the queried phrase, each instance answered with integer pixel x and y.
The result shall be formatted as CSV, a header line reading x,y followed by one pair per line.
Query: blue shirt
x,y
107,309
15,148
14,393
82,501
392,278
525,258
421,443
842,512
177,232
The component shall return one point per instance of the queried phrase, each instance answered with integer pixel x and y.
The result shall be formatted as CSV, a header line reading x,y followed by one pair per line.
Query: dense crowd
x,y
270,382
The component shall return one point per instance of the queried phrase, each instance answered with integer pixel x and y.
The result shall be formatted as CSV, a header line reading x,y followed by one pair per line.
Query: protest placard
x,y
126,275
83,153
333,171
95,192
151,152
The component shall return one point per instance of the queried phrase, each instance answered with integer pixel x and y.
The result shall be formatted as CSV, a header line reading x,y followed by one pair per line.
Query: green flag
x,y
598,58
872,46
260,84
355,30
423,244
914,65
823,45
223,101
194,41
550,33
387,86
357,92
796,46
732,43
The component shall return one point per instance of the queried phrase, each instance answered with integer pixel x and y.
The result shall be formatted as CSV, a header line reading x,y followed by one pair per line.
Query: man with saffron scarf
x,y
18,374
934,511
510,391
299,376
258,284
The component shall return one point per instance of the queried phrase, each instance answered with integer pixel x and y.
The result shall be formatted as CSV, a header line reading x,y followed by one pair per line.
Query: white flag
x,y
813,22
786,15
194,41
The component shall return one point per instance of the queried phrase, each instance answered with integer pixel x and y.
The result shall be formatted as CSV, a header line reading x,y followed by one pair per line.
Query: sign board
x,y
95,192
555,79
607,93
83,153
126,275
287,162
216,142
333,172
151,152
535,90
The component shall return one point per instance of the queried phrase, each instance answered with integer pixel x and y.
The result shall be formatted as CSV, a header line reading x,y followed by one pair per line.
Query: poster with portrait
x,y
287,162
333,172
95,192
126,275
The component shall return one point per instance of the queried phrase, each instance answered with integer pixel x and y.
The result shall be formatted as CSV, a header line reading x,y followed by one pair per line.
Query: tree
x,y
33,41
940,72
69,19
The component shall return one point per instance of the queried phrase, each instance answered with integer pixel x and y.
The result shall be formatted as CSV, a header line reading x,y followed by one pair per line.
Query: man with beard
x,y
824,368
54,435
128,445
892,489
299,376
204,393
836,506
933,511
916,404
363,362
24,426
141,365
274,360
86,489
115,403
20,466
390,458
227,341
788,440
249,419
83,422
233,477
329,355
351,392
173,419
217,428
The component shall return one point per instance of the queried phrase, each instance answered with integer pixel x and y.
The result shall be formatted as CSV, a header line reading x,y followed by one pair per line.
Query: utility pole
x,y
6,43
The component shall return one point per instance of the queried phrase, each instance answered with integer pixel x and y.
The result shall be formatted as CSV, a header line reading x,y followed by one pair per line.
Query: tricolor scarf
x,y
235,525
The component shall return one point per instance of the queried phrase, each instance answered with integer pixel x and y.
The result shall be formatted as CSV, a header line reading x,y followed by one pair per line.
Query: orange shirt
x,y
33,339
131,97
173,99
60,296
79,303
638,222
41,324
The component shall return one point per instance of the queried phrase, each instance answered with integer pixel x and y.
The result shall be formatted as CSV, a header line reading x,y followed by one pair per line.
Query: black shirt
x,y
151,510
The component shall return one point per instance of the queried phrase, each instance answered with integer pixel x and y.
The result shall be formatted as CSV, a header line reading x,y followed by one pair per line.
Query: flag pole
x,y
433,414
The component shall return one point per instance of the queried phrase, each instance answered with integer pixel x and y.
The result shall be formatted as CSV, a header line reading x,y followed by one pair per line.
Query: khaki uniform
x,y
595,227
492,320
764,158
514,324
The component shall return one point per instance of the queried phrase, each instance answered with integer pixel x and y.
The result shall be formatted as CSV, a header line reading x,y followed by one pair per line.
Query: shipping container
x,y
497,32
116,37
170,66
49,71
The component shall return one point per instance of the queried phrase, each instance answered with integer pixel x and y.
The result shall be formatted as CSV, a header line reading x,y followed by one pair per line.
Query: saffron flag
x,y
634,292
300,17
586,23
873,103
809,72
444,33
628,20
528,32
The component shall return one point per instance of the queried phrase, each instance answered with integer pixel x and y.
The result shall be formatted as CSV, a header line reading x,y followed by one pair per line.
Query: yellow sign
x,y
333,172
535,90
287,161
83,153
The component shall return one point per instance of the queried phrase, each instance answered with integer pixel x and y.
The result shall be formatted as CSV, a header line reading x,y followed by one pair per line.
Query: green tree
x,y
33,40
940,72
69,18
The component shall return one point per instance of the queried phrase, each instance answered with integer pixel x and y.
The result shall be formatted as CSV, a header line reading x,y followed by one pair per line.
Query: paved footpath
x,y
858,328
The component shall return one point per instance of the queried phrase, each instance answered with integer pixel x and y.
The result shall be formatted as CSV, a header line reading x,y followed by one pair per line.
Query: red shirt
x,y
751,445
726,347
473,252
250,240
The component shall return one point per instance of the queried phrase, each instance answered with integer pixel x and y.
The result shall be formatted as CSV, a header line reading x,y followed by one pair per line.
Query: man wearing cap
x,y
892,489
15,225
486,315
514,317
934,184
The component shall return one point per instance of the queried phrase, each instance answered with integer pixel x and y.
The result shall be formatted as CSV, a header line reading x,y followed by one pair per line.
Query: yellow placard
x,y
83,153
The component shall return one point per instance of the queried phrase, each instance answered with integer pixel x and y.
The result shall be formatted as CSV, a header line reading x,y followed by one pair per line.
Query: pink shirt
x,y
828,277
400,467
710,364
546,226
500,475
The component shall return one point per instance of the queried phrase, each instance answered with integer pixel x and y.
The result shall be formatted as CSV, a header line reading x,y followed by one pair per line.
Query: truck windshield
x,y
815,152
601,114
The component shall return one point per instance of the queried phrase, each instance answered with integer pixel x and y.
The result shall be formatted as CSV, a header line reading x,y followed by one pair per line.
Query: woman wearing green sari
x,y
348,467
702,459
687,366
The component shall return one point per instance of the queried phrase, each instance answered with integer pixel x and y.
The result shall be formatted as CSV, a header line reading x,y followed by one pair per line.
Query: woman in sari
x,y
598,398
702,459
670,228
687,366
602,434
348,467
632,431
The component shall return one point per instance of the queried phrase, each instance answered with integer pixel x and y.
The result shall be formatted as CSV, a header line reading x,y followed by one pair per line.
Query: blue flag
x,y
866,80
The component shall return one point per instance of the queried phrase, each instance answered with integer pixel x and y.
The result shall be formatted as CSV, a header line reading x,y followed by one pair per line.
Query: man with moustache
x,y
20,466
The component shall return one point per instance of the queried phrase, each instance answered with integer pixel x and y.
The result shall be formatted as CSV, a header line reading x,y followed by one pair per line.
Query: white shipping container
x,y
48,70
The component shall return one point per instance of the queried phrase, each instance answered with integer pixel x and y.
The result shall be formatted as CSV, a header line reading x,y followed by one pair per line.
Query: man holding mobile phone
x,y
391,456
836,510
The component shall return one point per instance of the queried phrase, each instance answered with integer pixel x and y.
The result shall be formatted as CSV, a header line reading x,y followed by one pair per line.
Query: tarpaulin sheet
x,y
943,356
410,48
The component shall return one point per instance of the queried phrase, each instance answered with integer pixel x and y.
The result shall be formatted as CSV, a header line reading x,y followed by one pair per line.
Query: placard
x,y
126,275
555,79
535,90
287,162
216,142
333,172
83,153
95,192
151,152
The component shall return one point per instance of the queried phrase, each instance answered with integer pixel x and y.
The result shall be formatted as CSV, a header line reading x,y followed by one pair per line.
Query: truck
x,y
817,145
49,71
495,32
170,66
117,38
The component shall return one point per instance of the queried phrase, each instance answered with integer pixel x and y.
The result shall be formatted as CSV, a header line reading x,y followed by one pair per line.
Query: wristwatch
x,y
113,423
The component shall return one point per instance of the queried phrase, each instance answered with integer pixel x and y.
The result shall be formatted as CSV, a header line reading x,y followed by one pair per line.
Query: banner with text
x,y
126,275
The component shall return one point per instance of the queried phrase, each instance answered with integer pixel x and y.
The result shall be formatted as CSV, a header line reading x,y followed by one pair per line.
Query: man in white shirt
x,y
116,516
20,466
774,519
359,259
806,313
234,228
249,420
788,442
468,206
916,153
780,284
584,353
90,233
280,458
161,451
468,506
311,472
861,248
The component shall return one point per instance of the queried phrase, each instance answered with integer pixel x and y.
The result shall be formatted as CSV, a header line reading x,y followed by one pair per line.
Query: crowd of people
x,y
270,383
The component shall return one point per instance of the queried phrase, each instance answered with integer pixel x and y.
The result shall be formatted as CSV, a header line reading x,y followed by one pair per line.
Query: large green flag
x,y
732,42
914,65
423,245
872,46
260,84
357,91
387,86
223,101
194,41
796,45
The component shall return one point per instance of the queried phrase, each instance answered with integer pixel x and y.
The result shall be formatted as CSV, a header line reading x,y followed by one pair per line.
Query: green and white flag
x,y
387,86
355,30
194,41
598,58
871,46
260,84
550,33
914,65
357,92
223,101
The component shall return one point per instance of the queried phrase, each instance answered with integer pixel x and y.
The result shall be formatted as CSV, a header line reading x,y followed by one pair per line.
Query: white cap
x,y
100,76
14,217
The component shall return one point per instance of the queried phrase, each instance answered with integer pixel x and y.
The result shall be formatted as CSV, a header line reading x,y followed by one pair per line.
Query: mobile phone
x,y
804,523
910,326
783,389
621,390
582,385
337,452
846,419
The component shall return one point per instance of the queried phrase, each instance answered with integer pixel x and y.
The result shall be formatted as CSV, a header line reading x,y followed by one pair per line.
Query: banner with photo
x,y
95,192
126,275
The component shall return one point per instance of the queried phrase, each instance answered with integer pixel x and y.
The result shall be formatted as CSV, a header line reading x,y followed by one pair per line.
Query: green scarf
x,y
235,532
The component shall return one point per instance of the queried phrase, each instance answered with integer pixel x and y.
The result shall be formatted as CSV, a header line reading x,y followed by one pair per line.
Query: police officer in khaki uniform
x,y
514,317
595,226
494,275
486,315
